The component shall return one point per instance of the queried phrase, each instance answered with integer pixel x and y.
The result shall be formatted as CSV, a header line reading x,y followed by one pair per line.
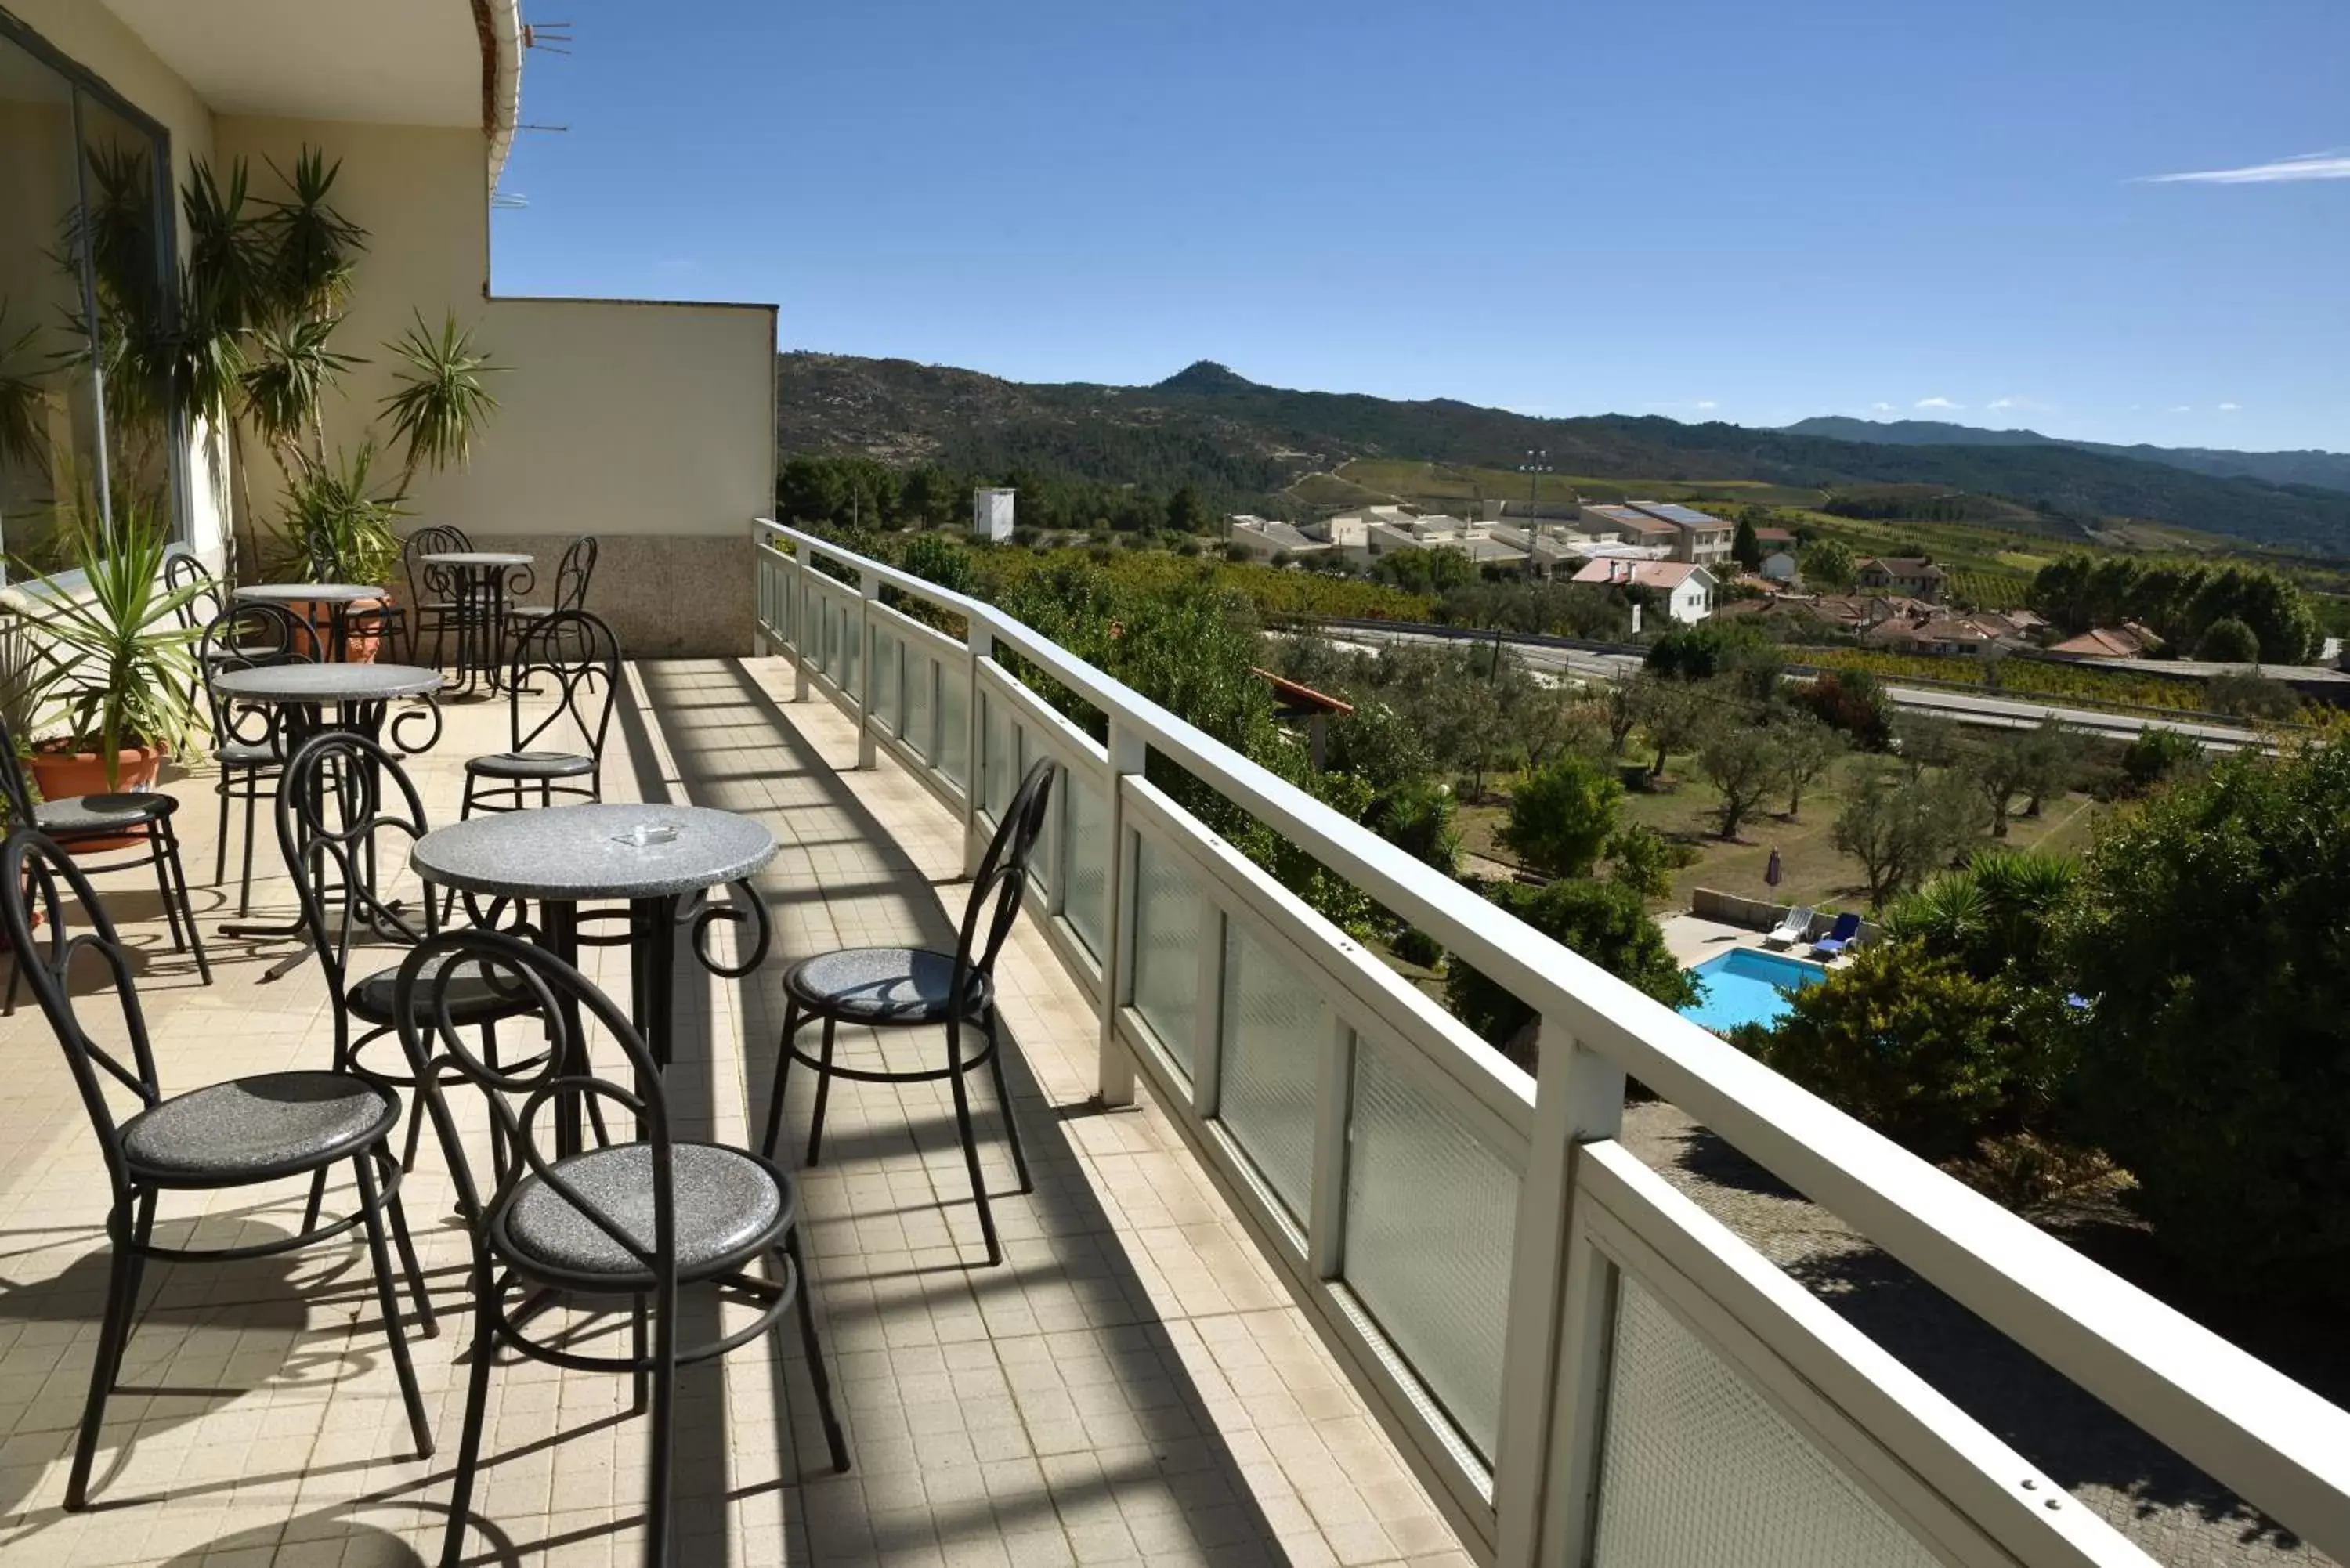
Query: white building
x,y
1687,588
991,514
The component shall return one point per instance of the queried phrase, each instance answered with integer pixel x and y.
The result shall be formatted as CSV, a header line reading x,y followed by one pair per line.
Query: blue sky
x,y
1753,211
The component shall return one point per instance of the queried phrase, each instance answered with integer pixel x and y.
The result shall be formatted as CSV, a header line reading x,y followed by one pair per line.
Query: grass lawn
x,y
1812,869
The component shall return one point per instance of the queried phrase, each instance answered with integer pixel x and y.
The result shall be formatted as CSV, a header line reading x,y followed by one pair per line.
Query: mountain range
x,y
1238,442
2326,470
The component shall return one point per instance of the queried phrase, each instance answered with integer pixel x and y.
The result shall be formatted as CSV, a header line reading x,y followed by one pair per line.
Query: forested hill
x,y
2326,470
1235,441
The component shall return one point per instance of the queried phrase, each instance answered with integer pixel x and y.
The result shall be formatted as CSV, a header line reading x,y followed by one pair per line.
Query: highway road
x,y
1984,712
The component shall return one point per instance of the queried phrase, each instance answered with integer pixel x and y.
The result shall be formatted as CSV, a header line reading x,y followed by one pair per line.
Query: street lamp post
x,y
1536,464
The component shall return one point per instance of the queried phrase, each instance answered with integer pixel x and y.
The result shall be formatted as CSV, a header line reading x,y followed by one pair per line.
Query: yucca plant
x,y
22,439
337,528
443,401
311,240
112,661
285,385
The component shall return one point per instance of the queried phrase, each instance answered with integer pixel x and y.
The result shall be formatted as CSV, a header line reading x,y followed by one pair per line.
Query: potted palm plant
x,y
112,664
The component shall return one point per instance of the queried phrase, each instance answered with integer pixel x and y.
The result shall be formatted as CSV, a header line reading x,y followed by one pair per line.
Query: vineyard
x,y
1275,592
2082,683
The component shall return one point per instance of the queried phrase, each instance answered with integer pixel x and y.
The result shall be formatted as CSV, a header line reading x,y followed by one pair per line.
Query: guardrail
x,y
1581,1364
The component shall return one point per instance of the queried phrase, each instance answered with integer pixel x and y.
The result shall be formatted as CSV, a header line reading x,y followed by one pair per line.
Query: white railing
x,y
1581,1364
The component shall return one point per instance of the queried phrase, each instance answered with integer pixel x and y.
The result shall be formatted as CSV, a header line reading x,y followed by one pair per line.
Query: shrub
x,y
1418,819
1907,1041
1605,923
2247,694
1853,701
2159,755
1415,946
2228,640
1562,814
1642,858
936,559
1900,829
1380,744
2215,1058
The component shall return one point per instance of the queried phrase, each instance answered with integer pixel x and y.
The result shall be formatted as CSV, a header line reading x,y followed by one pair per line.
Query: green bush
x,y
1603,921
1907,1041
1852,701
2215,1058
1642,858
1418,819
2157,755
2228,640
1562,814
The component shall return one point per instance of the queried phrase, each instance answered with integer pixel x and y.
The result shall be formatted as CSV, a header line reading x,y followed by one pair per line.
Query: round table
x,y
661,860
338,598
359,695
480,597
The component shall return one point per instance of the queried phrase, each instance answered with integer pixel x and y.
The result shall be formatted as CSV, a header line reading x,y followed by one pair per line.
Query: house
x,y
2128,641
1775,539
1630,525
1698,537
1687,589
1265,538
1912,576
649,424
1778,566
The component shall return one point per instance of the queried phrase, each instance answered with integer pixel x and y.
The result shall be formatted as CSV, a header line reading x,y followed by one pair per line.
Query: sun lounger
x,y
1792,928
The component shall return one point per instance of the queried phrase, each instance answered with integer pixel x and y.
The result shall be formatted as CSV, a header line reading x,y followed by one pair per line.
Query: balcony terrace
x,y
1308,1276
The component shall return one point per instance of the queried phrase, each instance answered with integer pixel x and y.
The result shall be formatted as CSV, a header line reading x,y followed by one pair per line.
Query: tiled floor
x,y
1130,1386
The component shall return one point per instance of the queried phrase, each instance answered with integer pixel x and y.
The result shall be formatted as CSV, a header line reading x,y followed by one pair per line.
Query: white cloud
x,y
2230,408
1880,408
1708,404
2019,405
1937,403
2331,165
2181,409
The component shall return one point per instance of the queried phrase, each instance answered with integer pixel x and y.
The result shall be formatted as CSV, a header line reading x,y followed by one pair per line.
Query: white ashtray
x,y
645,835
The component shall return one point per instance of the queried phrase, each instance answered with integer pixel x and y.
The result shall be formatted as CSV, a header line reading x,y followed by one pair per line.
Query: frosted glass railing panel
x,y
1275,1029
1046,867
954,756
1084,819
1700,1471
1001,747
852,650
1169,918
885,680
922,679
1431,1220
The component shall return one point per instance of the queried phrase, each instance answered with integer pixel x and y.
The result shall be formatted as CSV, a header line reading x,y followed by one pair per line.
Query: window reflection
x,y
85,310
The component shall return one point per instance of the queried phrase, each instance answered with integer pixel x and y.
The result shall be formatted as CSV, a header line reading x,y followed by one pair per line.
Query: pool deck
x,y
1691,940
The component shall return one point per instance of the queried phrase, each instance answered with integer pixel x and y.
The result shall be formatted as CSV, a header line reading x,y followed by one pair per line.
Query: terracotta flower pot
x,y
61,775
359,647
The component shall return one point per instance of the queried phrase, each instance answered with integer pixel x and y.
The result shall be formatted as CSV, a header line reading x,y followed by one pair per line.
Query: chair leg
x,y
245,878
1004,1098
111,1335
971,1160
823,1091
317,1198
16,973
220,843
186,903
159,861
427,1322
783,1077
817,1374
143,1232
386,1294
641,1380
664,1421
477,1398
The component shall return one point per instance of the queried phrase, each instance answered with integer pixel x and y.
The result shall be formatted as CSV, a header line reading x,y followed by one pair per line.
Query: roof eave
x,y
499,22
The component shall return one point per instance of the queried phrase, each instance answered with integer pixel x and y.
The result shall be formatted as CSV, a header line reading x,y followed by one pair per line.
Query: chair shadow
x,y
1183,1448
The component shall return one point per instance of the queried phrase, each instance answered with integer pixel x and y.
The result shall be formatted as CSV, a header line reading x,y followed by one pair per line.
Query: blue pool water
x,y
1747,986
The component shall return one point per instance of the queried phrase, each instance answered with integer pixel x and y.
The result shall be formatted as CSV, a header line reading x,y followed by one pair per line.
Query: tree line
x,y
2249,612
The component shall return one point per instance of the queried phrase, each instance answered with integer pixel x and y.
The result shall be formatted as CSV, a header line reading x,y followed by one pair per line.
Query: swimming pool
x,y
1746,986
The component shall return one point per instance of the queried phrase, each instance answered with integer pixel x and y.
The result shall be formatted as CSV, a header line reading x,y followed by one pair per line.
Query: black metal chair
x,y
902,988
248,739
342,798
431,590
242,1133
630,1223
575,655
85,819
186,571
572,576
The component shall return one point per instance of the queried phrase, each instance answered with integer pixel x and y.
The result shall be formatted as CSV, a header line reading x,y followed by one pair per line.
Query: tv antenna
x,y
555,37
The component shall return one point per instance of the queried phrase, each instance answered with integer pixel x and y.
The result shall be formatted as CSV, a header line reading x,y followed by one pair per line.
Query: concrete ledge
x,y
668,596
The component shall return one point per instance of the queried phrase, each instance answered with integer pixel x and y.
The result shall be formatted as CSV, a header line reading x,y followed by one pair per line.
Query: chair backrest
x,y
1848,926
36,874
251,636
186,571
567,1004
573,655
573,575
1002,877
430,584
343,808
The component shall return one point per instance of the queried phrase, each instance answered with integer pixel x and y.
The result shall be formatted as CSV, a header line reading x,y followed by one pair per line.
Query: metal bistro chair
x,y
343,802
629,1224
80,819
575,655
248,739
431,590
186,571
899,987
572,576
242,1133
